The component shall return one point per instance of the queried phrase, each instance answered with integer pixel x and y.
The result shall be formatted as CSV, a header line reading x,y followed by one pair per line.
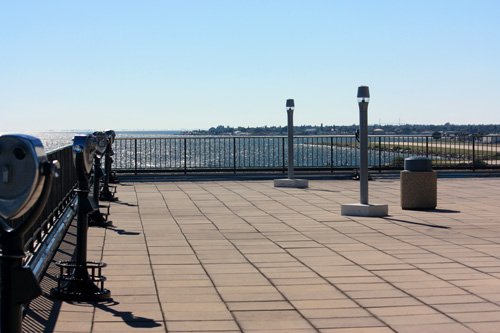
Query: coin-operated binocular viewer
x,y
99,143
106,194
25,184
79,279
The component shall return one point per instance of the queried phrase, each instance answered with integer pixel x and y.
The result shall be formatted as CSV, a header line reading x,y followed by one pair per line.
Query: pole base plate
x,y
371,210
293,183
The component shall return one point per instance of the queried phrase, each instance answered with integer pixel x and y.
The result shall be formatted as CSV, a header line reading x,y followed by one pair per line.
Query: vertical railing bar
x,y
234,155
473,153
283,154
379,154
427,146
135,144
331,154
185,155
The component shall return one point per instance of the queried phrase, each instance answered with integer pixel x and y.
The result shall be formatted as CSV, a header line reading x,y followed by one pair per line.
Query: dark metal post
x,y
331,154
11,262
290,181
289,111
84,208
185,155
234,155
473,153
363,144
283,155
96,218
96,191
106,194
427,146
379,154
135,149
363,208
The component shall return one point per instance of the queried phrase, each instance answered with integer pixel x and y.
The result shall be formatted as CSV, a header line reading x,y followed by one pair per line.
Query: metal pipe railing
x,y
60,199
329,153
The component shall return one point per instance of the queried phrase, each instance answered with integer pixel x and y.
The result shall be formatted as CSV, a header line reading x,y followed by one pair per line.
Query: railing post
x,y
185,155
427,146
473,153
135,158
331,154
379,154
283,155
234,155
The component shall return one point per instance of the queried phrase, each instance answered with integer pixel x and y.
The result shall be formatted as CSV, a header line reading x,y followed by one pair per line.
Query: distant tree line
x,y
404,129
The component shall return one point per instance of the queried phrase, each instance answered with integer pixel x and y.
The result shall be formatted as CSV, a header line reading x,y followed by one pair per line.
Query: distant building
x,y
450,134
491,138
311,131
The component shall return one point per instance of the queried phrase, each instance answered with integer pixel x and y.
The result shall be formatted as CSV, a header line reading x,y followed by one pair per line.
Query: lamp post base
x,y
294,183
371,210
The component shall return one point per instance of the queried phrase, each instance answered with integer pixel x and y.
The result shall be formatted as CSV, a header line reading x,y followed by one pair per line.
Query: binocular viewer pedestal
x,y
96,218
80,279
109,178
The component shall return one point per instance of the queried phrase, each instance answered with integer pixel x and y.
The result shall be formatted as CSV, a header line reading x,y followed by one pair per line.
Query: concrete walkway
x,y
245,256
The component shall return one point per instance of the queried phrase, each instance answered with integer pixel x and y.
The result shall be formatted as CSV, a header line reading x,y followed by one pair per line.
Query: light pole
x,y
290,106
363,208
290,181
363,100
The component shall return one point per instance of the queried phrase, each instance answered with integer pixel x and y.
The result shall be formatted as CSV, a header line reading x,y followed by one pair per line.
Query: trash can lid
x,y
418,163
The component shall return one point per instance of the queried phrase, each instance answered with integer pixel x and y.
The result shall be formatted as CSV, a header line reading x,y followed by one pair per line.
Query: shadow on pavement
x,y
416,223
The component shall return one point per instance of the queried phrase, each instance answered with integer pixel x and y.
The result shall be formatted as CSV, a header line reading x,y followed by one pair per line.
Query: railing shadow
x,y
41,316
42,313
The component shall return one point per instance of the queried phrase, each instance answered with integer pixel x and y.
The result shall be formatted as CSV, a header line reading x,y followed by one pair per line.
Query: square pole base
x,y
295,183
371,210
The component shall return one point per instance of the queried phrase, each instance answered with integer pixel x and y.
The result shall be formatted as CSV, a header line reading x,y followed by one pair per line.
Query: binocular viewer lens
x,y
23,165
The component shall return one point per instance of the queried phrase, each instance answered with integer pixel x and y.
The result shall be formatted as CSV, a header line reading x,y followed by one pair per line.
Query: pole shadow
x,y
416,223
122,231
124,203
449,211
320,190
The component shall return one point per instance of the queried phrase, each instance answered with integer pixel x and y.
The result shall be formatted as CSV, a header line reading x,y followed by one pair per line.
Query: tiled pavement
x,y
233,256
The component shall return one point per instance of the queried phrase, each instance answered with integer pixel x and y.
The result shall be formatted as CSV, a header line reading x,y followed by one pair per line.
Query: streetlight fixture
x,y
290,181
363,208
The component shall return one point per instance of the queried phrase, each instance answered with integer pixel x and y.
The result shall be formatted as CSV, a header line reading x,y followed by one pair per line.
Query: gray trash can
x,y
418,184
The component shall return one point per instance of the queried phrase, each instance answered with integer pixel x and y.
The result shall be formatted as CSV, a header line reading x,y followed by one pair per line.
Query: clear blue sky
x,y
195,64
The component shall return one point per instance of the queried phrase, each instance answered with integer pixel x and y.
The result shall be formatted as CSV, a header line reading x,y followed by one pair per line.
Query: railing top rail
x,y
53,151
265,136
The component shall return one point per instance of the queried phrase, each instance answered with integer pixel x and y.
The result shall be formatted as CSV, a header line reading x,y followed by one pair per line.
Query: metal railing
x,y
267,153
60,199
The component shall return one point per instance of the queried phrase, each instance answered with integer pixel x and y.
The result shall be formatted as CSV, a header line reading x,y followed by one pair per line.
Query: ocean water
x,y
240,152
171,150
53,139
